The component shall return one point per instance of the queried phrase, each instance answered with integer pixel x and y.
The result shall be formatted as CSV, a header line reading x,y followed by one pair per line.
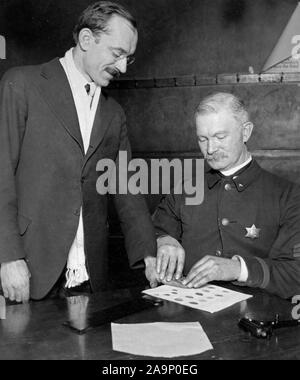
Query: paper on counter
x,y
160,339
2,308
209,298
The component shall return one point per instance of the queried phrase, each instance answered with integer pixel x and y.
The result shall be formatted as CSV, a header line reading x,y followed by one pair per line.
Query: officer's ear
x,y
247,129
85,39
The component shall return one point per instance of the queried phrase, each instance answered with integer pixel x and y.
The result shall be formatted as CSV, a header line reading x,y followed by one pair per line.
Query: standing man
x,y
247,229
56,123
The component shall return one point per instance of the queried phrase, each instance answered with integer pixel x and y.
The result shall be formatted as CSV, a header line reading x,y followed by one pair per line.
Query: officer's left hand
x,y
211,268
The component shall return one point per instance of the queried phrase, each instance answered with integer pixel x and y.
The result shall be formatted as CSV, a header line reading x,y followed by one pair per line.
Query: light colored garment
x,y
86,106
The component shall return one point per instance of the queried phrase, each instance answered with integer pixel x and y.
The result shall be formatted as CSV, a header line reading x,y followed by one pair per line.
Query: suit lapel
x,y
55,89
103,116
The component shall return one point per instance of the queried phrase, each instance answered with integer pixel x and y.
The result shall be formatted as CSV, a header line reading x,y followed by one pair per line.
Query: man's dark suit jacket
x,y
45,178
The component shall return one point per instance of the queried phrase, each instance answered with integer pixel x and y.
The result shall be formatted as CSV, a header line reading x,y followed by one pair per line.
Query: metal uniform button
x,y
218,253
225,222
228,187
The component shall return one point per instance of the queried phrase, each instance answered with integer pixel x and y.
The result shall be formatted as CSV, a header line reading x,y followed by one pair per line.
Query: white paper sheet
x,y
2,308
209,298
160,339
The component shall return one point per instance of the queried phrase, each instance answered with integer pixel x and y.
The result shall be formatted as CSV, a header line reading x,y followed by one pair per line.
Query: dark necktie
x,y
90,90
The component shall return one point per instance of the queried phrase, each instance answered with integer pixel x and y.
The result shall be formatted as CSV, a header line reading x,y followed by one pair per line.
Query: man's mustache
x,y
216,156
113,72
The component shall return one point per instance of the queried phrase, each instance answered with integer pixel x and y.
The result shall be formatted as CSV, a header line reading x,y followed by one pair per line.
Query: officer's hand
x,y
212,268
150,271
170,261
15,280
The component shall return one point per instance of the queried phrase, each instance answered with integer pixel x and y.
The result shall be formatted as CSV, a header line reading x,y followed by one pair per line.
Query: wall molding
x,y
270,153
206,80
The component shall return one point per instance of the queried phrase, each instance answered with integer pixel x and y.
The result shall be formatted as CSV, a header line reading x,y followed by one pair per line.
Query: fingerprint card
x,y
209,298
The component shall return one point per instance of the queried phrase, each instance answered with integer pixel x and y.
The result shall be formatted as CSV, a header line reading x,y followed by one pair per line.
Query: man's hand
x,y
150,271
15,280
212,268
170,259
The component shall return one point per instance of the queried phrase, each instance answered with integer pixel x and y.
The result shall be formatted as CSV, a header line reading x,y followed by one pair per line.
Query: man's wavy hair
x,y
96,16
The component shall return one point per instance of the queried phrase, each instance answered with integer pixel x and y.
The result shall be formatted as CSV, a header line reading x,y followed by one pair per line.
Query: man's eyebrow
x,y
214,135
120,50
220,133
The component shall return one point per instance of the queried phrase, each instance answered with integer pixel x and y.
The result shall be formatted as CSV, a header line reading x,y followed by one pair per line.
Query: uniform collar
x,y
242,179
233,171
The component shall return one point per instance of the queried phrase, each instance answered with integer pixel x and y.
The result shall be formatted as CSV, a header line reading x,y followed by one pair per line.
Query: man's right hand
x,y
170,261
15,277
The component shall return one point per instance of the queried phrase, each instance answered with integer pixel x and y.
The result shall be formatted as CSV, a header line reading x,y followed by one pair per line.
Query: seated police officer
x,y
247,229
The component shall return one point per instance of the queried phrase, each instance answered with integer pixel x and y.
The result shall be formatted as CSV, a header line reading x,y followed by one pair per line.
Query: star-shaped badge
x,y
252,232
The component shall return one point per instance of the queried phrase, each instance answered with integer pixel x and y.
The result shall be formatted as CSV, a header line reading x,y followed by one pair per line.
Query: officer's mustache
x,y
215,156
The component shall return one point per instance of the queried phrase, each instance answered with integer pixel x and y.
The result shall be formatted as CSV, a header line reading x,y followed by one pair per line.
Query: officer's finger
x,y
11,293
202,261
25,293
153,284
180,265
194,270
192,274
159,255
204,280
207,275
171,267
18,293
5,291
164,265
197,271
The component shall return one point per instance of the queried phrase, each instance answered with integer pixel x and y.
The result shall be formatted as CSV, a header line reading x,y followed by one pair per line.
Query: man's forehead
x,y
121,33
222,117
216,122
118,25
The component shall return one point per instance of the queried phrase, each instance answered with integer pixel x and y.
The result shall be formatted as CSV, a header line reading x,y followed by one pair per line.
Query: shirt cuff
x,y
243,277
167,240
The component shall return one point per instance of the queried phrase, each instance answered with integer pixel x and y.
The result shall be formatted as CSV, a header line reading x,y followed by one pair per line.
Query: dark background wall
x,y
177,37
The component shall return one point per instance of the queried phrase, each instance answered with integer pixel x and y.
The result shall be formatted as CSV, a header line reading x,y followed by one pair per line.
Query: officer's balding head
x,y
223,128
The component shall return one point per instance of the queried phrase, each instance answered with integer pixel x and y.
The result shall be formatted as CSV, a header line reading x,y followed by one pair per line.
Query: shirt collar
x,y
242,178
77,78
234,170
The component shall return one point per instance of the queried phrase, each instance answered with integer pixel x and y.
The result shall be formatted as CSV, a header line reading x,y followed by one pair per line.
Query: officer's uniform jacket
x,y
254,214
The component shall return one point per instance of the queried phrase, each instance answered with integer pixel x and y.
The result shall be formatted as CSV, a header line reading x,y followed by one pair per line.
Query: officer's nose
x,y
121,65
211,147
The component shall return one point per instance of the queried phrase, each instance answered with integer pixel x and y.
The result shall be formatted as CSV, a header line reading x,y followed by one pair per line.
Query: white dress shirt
x,y
86,106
